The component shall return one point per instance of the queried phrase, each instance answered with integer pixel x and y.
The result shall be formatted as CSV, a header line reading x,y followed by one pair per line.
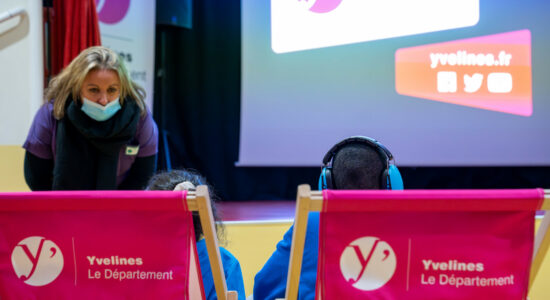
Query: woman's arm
x,y
142,169
39,157
38,172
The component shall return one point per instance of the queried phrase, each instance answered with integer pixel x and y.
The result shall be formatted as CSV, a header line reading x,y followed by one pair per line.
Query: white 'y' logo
x,y
37,261
368,263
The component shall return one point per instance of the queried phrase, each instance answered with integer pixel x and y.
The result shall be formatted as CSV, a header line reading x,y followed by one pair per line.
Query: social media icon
x,y
37,261
499,82
368,263
446,82
472,83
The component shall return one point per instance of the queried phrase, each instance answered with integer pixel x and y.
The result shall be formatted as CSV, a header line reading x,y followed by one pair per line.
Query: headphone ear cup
x,y
328,177
322,180
325,180
395,179
385,182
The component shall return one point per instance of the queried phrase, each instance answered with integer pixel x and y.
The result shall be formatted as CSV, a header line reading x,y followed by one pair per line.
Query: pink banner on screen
x,y
95,245
423,254
490,72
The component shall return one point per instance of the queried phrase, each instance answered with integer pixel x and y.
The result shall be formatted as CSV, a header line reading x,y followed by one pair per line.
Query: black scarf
x,y
87,150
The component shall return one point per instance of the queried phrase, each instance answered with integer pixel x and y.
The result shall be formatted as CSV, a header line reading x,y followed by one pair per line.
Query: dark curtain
x,y
74,27
197,108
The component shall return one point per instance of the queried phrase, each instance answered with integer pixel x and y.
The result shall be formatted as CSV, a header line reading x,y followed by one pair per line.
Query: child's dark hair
x,y
357,166
168,180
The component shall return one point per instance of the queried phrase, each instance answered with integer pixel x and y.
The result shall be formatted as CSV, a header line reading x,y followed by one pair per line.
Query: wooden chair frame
x,y
308,201
199,200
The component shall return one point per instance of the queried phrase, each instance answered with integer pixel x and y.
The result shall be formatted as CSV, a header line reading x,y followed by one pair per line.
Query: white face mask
x,y
99,112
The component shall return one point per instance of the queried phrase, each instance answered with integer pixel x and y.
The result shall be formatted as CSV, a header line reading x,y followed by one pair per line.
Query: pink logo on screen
x,y
368,263
37,261
324,6
112,11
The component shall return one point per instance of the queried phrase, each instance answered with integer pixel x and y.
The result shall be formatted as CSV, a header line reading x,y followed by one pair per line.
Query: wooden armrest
x,y
232,295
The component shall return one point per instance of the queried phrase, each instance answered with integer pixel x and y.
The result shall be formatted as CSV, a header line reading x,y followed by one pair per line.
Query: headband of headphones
x,y
390,177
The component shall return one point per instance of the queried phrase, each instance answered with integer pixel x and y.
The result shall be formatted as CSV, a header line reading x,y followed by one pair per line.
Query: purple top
x,y
41,139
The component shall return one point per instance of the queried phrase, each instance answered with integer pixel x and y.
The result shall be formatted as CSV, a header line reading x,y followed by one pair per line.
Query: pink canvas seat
x,y
105,245
422,244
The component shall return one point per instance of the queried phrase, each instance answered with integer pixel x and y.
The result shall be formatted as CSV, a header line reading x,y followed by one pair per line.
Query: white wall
x,y
21,70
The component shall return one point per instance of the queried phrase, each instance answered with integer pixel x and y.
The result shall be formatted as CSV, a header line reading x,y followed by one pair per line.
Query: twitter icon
x,y
472,83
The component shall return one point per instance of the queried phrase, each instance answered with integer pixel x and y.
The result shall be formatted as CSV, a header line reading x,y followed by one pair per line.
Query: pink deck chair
x,y
419,244
106,245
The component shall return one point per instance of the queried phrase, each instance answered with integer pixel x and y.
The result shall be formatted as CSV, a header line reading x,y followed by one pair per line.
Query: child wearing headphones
x,y
357,162
179,180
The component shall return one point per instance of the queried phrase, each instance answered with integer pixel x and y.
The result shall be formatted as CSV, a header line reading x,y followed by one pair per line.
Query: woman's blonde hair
x,y
70,80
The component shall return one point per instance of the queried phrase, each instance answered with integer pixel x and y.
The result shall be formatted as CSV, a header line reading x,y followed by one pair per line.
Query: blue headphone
x,y
390,177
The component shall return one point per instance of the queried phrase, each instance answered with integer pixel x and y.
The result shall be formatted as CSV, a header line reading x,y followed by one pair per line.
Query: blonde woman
x,y
94,131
